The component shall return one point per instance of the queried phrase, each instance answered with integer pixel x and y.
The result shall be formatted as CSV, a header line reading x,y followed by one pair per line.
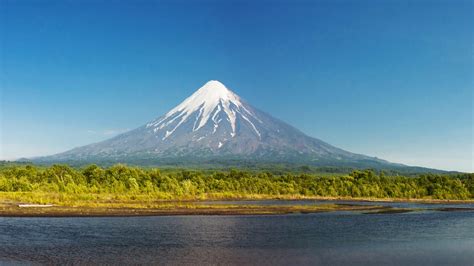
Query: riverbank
x,y
11,209
102,205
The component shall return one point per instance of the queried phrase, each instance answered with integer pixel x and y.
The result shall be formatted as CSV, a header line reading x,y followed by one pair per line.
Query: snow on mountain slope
x,y
214,122
209,101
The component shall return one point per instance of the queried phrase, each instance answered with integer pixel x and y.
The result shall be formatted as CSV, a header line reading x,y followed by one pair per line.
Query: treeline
x,y
234,183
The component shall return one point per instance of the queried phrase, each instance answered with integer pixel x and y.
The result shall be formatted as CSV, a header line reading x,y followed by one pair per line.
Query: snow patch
x,y
168,133
253,126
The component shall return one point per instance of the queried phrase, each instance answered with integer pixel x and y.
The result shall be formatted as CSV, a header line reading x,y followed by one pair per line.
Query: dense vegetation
x,y
186,184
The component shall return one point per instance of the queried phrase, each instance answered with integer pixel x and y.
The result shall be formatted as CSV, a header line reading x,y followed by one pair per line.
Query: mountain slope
x,y
216,124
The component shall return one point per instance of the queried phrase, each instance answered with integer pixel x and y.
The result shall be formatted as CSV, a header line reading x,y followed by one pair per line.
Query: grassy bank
x,y
150,200
105,205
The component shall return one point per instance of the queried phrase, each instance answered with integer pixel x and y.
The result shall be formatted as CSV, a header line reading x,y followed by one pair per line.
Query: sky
x,y
392,79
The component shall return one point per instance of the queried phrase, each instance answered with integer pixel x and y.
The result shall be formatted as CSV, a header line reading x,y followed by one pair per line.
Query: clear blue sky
x,y
391,79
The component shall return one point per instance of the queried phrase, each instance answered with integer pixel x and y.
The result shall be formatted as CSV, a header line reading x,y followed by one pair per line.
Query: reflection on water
x,y
340,238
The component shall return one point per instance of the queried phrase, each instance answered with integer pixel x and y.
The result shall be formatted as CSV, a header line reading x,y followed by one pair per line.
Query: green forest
x,y
198,184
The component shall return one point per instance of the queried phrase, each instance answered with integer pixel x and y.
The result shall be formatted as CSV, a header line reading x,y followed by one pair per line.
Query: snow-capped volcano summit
x,y
214,104
214,124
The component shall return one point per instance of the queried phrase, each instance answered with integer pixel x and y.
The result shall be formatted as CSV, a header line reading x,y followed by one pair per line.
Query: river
x,y
337,238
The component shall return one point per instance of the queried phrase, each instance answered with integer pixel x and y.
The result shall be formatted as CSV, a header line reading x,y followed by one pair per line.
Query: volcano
x,y
215,125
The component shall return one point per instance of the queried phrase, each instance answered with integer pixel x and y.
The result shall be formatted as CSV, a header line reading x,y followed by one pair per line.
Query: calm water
x,y
340,238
